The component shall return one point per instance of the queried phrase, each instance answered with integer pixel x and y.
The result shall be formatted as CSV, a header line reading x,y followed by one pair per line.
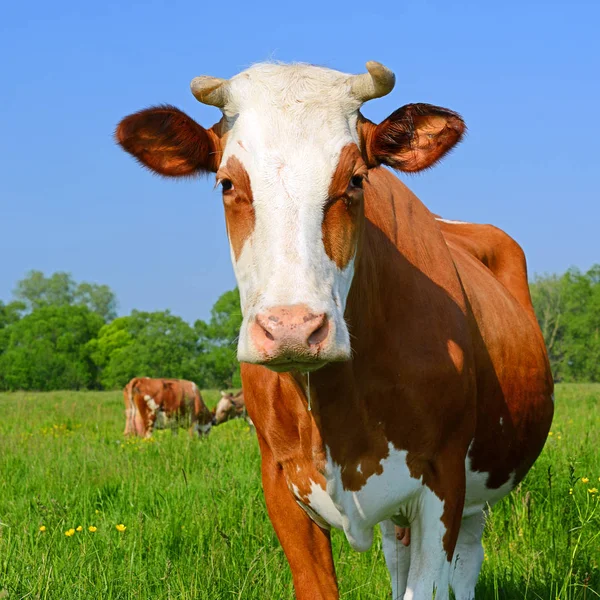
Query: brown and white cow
x,y
161,403
231,406
392,364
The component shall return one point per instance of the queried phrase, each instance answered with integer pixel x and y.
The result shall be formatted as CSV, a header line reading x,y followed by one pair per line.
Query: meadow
x,y
85,513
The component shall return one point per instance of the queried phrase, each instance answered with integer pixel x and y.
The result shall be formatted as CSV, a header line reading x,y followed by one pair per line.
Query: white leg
x,y
397,558
428,575
468,557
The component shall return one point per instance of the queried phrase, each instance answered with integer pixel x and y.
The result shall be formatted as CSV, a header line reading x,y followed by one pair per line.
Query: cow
x,y
159,403
391,362
231,406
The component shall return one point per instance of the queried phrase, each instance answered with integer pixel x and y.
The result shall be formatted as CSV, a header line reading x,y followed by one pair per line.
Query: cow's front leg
x,y
306,545
434,531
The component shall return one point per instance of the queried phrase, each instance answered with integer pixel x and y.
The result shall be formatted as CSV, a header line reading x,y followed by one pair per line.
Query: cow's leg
x,y
306,545
129,411
397,558
468,557
142,420
435,528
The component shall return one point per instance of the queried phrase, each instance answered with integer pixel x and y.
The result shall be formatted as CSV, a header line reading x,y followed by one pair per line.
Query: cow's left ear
x,y
413,138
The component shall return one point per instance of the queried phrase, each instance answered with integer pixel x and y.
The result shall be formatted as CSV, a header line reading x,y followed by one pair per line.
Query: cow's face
x,y
291,155
225,409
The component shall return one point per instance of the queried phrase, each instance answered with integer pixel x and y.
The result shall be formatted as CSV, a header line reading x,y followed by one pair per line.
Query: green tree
x,y
548,294
568,311
145,344
46,349
36,291
582,325
218,342
10,313
98,298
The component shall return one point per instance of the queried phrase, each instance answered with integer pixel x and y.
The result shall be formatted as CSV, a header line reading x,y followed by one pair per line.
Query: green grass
x,y
196,525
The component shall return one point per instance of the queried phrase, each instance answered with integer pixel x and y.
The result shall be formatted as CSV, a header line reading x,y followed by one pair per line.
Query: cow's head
x,y
227,409
292,154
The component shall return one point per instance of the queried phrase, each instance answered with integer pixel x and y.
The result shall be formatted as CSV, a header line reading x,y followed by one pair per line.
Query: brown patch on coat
x,y
168,142
341,215
238,202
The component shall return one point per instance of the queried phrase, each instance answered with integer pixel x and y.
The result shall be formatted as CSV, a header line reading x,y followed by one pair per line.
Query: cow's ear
x,y
168,142
414,137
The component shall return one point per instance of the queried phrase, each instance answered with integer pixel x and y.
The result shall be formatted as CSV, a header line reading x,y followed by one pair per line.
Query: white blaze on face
x,y
288,125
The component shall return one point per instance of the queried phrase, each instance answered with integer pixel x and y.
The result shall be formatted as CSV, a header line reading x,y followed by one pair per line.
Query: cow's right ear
x,y
168,142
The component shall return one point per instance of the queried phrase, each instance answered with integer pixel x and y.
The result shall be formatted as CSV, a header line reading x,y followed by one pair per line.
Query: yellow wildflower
x,y
120,527
585,480
79,528
559,437
551,433
593,490
43,528
571,491
92,529
70,532
97,512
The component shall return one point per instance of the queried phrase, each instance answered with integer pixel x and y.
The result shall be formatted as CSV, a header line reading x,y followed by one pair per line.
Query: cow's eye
x,y
226,185
356,181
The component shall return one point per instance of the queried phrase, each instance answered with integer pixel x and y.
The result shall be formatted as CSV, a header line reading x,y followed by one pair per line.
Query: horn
x,y
211,90
378,82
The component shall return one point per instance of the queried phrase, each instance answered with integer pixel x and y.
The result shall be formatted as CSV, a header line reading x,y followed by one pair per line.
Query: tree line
x,y
60,334
568,311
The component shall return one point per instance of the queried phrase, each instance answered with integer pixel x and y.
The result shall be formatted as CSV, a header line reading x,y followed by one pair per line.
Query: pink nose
x,y
289,330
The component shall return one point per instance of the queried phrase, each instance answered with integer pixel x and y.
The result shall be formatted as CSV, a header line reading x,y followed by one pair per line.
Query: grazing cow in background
x,y
161,403
231,406
391,362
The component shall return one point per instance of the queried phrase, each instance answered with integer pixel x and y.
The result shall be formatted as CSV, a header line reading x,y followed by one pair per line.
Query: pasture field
x,y
87,514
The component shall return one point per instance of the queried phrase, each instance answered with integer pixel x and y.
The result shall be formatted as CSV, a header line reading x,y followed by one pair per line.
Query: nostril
x,y
319,335
264,327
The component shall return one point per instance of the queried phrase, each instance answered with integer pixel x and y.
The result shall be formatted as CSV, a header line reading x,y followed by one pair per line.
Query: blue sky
x,y
524,75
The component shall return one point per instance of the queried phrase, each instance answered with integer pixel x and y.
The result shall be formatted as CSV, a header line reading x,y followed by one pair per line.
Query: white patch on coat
x,y
319,506
151,404
288,125
452,222
478,494
396,493
381,497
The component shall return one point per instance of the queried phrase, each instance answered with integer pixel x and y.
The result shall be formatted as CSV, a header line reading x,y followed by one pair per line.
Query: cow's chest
x,y
356,511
